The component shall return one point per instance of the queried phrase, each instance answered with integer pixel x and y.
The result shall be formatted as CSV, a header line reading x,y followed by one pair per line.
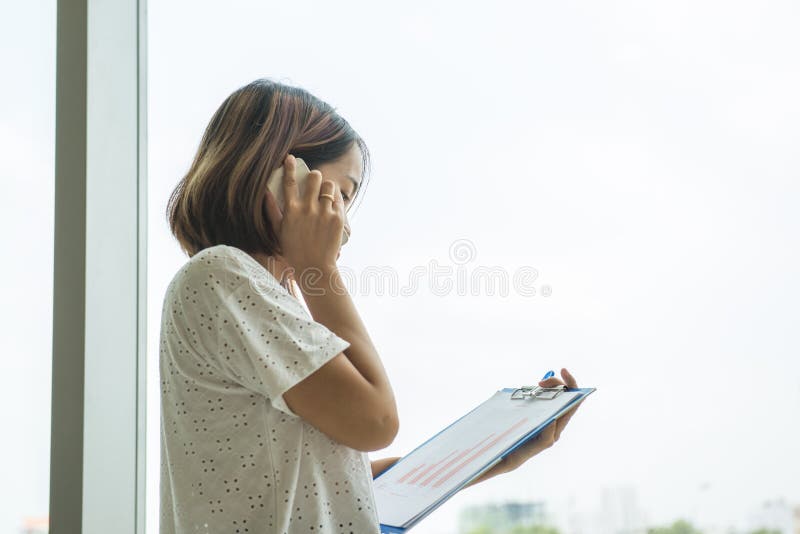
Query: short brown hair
x,y
222,198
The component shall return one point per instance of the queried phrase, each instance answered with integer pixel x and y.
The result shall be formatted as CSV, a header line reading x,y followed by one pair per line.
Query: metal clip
x,y
537,392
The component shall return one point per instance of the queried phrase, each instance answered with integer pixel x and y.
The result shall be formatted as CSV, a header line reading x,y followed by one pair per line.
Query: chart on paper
x,y
435,469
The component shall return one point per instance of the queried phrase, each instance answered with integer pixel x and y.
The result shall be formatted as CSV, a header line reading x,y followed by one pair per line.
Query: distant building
x,y
620,512
776,515
501,518
796,519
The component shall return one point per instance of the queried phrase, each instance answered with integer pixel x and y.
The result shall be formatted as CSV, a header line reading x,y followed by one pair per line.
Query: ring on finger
x,y
326,195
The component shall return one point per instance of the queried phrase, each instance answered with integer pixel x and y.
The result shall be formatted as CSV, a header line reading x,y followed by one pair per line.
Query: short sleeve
x,y
256,332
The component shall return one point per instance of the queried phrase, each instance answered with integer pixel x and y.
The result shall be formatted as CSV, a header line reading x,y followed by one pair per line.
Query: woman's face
x,y
346,172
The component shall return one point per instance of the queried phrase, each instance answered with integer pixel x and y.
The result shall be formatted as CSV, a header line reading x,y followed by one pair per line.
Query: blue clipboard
x,y
522,394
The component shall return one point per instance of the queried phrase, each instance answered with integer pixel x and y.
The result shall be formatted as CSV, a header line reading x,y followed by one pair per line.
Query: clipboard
x,y
428,476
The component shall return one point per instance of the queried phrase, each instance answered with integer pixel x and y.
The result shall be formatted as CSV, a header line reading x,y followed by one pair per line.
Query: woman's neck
x,y
274,264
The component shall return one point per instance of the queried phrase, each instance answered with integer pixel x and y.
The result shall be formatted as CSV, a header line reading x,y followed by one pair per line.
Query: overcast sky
x,y
641,156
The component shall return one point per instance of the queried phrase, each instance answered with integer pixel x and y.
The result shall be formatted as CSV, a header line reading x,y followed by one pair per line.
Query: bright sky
x,y
642,157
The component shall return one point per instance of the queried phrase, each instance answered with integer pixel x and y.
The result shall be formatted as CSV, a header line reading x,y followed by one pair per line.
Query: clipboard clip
x,y
537,392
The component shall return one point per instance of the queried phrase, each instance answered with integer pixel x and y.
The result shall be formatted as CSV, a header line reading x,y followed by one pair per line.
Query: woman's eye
x,y
346,197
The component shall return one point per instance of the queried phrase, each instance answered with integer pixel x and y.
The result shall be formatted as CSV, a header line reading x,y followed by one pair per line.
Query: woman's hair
x,y
222,198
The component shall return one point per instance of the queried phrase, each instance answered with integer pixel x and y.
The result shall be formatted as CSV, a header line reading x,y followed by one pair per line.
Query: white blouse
x,y
234,457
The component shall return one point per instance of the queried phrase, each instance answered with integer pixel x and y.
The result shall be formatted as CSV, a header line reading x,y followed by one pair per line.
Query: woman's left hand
x,y
549,435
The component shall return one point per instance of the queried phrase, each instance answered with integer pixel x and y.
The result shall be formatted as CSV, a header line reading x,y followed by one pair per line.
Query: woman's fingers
x,y
560,428
312,188
327,194
552,432
543,441
564,419
290,194
569,379
551,382
570,382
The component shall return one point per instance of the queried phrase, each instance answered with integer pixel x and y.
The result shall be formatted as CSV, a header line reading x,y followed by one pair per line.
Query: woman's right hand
x,y
364,416
309,227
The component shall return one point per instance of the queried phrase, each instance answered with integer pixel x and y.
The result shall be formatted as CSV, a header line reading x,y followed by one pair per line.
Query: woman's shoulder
x,y
221,269
222,258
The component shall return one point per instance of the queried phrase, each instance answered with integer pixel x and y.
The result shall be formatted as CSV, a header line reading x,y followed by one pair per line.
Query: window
x,y
637,160
27,120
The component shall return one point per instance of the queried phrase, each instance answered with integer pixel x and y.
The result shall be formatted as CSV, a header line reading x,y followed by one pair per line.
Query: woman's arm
x,y
364,415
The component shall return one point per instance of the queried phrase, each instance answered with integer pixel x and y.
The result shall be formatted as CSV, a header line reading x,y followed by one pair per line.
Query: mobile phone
x,y
301,171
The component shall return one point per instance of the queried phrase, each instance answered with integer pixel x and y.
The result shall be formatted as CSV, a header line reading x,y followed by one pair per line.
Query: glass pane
x,y
27,129
641,158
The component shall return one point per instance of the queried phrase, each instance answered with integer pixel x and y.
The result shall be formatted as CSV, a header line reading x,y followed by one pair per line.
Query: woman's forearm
x,y
381,465
330,304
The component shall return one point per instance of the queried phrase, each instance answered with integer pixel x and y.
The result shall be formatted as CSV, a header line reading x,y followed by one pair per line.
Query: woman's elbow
x,y
381,432
391,425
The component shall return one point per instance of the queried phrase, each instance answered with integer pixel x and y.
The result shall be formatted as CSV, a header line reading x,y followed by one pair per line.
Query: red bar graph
x,y
454,460
479,452
428,469
404,477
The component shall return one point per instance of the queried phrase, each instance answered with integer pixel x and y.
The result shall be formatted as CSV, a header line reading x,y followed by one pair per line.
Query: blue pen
x,y
549,374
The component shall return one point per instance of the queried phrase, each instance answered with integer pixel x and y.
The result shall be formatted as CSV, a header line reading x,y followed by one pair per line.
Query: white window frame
x,y
97,457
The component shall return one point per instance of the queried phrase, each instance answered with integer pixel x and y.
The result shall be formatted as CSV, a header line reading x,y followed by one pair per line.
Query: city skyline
x,y
625,515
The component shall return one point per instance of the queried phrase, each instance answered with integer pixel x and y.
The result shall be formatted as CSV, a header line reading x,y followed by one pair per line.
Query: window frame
x,y
97,444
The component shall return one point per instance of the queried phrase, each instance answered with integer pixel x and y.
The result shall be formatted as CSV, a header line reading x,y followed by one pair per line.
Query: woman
x,y
269,404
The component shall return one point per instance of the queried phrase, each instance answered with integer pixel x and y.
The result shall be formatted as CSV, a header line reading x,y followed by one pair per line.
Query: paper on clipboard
x,y
446,462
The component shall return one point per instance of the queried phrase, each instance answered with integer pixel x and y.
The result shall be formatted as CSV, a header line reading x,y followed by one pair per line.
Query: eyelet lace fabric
x,y
234,457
